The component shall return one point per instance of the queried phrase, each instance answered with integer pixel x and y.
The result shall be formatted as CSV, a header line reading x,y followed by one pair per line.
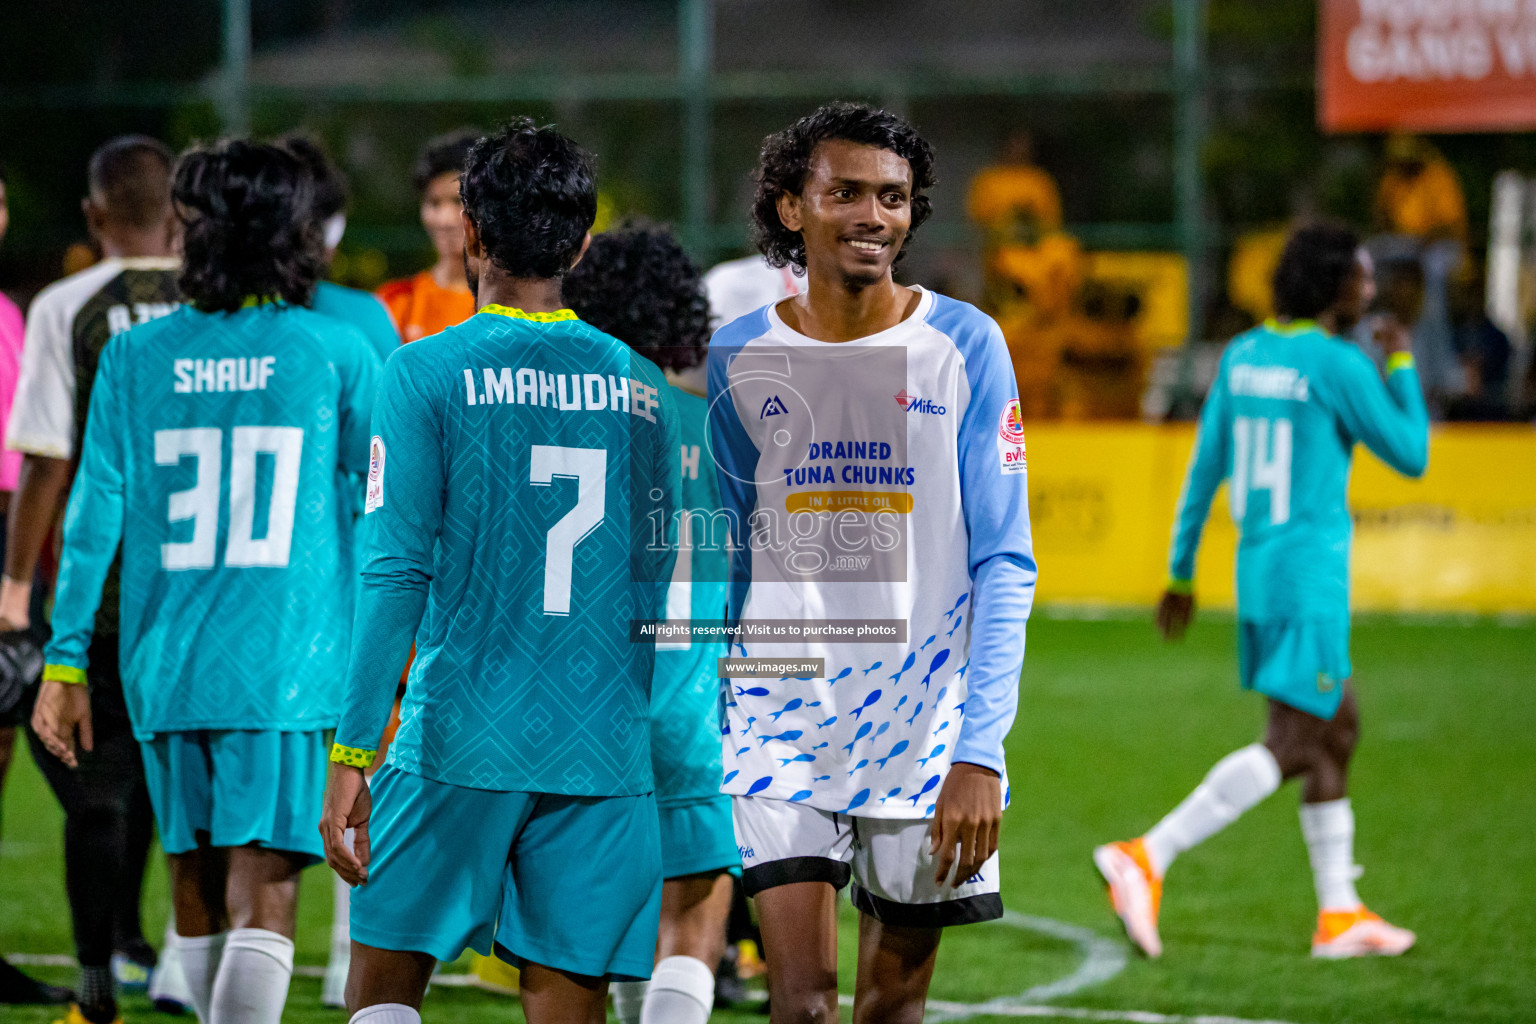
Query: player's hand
x,y
63,712
1391,335
347,805
1174,614
966,818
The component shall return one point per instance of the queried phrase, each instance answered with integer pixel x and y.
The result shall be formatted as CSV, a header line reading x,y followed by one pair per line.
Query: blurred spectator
x,y
1251,272
1419,194
1484,350
439,297
738,287
1014,200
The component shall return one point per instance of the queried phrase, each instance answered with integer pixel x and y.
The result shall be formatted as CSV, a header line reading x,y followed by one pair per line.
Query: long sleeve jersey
x,y
1288,405
876,480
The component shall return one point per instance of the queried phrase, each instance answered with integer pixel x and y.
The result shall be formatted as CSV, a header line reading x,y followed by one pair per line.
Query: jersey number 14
x,y
1261,461
200,502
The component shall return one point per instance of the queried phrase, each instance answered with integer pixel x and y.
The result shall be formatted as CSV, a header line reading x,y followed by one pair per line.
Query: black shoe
x,y
17,988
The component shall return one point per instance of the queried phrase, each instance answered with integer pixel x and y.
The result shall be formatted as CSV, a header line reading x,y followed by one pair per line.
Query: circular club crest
x,y
1010,426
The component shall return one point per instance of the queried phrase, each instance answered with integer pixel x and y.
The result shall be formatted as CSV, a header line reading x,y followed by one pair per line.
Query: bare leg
x,y
1305,745
263,889
559,997
895,968
387,976
694,909
799,924
198,880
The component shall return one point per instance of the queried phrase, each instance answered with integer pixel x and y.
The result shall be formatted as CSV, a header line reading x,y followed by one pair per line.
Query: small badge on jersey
x,y
1010,439
375,497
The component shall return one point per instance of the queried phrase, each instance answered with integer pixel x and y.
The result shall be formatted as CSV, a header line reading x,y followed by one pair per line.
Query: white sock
x,y
333,987
1329,829
628,1000
1234,784
252,985
200,956
168,981
682,992
386,1013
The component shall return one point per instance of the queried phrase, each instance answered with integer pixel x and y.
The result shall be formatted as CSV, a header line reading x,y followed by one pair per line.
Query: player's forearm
x,y
1405,439
93,526
1004,592
389,609
33,508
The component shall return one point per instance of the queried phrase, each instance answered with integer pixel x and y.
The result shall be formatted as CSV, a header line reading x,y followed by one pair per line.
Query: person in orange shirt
x,y
439,297
1419,194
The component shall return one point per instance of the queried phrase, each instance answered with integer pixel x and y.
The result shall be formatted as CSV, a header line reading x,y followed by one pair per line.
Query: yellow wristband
x,y
64,674
353,756
1178,586
1399,361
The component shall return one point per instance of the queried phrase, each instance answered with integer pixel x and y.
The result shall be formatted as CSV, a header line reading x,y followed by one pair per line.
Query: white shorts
x,y
887,860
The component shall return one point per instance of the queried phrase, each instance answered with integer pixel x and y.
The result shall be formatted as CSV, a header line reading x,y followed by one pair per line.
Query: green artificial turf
x,y
1115,727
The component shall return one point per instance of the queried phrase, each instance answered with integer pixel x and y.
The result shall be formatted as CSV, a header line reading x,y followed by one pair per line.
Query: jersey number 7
x,y
200,502
589,466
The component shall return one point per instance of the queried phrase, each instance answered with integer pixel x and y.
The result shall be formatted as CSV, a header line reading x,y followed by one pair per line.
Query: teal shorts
x,y
237,787
698,836
1302,663
568,882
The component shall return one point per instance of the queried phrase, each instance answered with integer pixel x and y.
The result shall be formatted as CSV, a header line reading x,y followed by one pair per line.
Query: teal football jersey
x,y
363,311
1281,422
214,451
523,472
685,706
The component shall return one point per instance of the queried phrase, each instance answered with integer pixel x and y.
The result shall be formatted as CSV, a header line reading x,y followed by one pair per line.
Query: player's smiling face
x,y
853,212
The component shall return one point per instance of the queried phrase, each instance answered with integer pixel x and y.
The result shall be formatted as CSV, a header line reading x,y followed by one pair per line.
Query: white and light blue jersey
x,y
523,471
1281,422
214,450
877,482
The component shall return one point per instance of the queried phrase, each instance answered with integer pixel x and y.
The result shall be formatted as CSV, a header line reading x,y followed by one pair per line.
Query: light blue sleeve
x,y
359,373
1001,552
1387,417
93,524
735,459
1208,467
407,480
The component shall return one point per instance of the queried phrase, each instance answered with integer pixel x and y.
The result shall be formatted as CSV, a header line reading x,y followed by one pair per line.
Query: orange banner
x,y
1426,65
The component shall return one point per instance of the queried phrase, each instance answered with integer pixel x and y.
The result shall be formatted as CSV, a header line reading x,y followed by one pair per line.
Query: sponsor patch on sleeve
x,y
1010,439
375,497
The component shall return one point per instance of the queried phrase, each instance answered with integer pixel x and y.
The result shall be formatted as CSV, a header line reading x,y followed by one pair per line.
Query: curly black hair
x,y
637,284
785,163
250,232
330,187
531,195
443,154
1314,265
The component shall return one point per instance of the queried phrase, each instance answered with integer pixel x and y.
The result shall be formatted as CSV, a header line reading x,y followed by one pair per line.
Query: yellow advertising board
x,y
1462,539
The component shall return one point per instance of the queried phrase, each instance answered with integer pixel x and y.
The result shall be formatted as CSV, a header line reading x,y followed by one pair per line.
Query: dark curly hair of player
x,y
250,231
1313,267
444,154
785,163
330,187
531,195
637,284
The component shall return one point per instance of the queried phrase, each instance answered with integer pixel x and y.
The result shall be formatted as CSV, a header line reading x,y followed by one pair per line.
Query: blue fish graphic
x,y
861,764
750,720
785,762
960,601
915,797
942,691
818,746
841,675
823,725
960,673
874,695
955,626
743,750
814,704
911,660
927,642
786,709
933,666
894,792
899,704
873,667
898,748
731,775
941,728
935,752
915,712
792,734
756,691
858,800
960,708
864,730
822,778
800,796
760,785
884,728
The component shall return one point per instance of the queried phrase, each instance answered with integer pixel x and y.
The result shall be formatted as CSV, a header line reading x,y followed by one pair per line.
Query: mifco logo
x,y
912,403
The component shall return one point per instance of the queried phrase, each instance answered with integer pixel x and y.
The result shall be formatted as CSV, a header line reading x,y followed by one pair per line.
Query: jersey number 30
x,y
1261,461
200,502
590,468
